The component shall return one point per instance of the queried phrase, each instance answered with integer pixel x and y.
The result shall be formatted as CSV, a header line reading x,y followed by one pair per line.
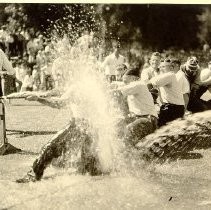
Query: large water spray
x,y
81,75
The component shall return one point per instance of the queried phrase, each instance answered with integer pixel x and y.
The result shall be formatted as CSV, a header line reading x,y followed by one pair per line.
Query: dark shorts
x,y
170,112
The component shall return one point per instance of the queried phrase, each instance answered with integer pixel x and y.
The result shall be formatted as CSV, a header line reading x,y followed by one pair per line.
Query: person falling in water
x,y
77,136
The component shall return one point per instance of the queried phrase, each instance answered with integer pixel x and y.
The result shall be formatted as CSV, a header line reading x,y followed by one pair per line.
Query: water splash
x,y
81,75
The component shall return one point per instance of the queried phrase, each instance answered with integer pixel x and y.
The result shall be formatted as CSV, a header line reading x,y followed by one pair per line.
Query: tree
x,y
204,33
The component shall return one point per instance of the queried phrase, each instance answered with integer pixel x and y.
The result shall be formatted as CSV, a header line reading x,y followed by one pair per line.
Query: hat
x,y
133,72
192,64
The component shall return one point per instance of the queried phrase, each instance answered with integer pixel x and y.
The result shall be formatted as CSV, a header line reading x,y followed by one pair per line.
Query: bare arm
x,y
53,103
186,99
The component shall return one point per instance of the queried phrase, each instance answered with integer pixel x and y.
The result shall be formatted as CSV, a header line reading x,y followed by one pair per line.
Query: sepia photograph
x,y
105,106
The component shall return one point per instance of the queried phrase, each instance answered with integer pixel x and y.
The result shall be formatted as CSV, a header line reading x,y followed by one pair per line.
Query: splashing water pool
x,y
181,184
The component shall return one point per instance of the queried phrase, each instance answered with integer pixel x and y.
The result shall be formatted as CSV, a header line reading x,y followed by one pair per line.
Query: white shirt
x,y
6,64
140,101
20,73
204,74
183,81
28,81
111,62
170,88
148,73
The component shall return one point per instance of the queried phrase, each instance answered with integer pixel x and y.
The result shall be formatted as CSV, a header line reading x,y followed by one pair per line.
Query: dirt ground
x,y
181,184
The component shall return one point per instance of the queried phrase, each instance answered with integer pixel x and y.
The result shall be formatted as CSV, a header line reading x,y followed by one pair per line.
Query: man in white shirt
x,y
171,94
5,68
111,62
143,115
153,69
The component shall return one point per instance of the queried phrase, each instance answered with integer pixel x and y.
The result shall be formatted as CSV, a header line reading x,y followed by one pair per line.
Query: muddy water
x,y
182,184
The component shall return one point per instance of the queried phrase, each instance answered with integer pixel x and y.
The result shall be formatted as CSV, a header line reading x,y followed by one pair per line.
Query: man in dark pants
x,y
171,93
199,86
75,136
200,82
72,136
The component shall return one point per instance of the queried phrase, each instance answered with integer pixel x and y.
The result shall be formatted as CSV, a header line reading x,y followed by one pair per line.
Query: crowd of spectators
x,y
31,55
29,52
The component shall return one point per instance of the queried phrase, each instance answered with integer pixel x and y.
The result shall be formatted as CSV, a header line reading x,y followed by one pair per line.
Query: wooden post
x,y
5,147
2,124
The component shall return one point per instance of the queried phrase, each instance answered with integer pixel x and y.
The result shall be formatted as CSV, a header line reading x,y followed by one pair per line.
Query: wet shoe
x,y
29,177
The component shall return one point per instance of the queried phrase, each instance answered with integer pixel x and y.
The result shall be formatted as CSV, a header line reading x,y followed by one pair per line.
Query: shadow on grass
x,y
25,152
186,156
23,133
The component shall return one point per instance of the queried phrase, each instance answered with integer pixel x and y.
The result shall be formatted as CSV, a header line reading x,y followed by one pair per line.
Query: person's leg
x,y
74,139
177,111
207,105
170,112
163,116
53,149
139,128
196,105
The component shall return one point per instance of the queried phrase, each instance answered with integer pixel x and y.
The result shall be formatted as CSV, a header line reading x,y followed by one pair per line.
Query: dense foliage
x,y
150,25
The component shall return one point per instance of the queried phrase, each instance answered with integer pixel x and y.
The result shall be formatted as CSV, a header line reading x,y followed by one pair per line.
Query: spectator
x,y
153,69
5,69
111,62
176,64
19,74
199,86
120,70
28,80
36,78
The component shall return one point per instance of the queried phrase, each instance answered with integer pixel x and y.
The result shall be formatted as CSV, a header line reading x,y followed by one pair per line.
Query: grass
x,y
31,125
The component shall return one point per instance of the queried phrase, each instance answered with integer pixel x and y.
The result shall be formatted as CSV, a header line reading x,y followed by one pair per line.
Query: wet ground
x,y
181,184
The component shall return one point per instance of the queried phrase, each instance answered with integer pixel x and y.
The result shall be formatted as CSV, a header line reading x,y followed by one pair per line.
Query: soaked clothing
x,y
73,138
